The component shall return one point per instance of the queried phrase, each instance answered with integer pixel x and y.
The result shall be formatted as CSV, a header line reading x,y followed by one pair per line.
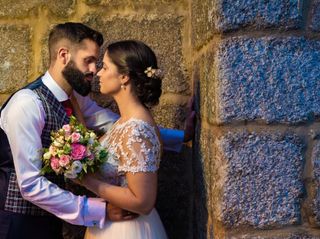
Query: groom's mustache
x,y
88,74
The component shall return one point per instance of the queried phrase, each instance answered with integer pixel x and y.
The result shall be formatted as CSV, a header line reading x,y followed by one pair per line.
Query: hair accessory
x,y
153,73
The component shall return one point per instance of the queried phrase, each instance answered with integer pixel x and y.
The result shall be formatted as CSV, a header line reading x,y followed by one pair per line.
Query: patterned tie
x,y
67,107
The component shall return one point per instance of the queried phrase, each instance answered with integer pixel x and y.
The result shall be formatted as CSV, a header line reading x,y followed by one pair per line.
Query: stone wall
x,y
254,68
164,25
256,76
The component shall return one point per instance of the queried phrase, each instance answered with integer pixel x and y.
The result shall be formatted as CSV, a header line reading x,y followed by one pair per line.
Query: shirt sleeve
x,y
172,139
96,117
23,120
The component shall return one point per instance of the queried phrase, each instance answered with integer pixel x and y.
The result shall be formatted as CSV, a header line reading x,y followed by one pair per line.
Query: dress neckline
x,y
132,119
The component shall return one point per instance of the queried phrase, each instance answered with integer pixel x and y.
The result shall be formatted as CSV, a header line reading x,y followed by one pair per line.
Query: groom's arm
x,y
23,120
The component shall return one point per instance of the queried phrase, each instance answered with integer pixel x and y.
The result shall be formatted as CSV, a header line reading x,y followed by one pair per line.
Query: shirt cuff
x,y
95,212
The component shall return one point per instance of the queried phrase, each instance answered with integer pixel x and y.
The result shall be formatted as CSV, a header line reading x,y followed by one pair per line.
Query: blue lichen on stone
x,y
234,14
263,185
268,79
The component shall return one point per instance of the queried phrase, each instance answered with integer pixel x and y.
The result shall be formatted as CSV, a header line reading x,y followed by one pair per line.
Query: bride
x,y
129,178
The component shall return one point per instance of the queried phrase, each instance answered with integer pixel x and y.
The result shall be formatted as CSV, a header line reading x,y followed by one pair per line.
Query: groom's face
x,y
81,68
77,79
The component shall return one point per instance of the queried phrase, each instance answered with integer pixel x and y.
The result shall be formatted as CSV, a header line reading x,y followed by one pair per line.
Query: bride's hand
x,y
76,180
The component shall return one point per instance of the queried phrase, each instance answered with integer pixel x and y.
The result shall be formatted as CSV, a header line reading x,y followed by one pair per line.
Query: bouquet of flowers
x,y
74,151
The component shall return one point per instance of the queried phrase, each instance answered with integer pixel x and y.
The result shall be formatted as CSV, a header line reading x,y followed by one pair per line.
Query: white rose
x,y
76,166
57,144
92,135
47,155
70,174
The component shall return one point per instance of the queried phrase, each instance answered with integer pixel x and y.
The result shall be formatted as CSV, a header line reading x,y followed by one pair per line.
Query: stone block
x,y
170,115
287,234
236,14
269,79
313,202
45,61
204,76
315,16
162,33
15,52
202,21
135,4
260,180
204,169
19,8
62,9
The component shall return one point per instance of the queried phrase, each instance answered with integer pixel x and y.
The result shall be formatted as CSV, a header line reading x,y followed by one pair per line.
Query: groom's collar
x,y
52,85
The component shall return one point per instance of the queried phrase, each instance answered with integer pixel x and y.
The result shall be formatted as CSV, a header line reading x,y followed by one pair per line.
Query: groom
x,y
31,205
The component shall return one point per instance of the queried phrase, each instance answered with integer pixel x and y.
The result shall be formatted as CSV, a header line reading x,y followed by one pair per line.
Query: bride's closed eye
x,y
104,67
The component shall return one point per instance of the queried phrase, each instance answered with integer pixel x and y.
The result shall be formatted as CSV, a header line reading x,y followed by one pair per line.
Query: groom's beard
x,y
77,79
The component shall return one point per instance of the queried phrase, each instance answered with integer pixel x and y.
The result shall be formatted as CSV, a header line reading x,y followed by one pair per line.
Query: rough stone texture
x,y
162,33
174,200
202,21
3,98
293,234
235,14
134,4
208,16
19,8
15,61
22,8
44,63
315,20
314,200
204,185
262,182
169,115
269,79
205,86
63,8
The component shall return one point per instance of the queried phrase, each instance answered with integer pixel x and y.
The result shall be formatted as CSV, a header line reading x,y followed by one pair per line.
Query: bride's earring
x,y
123,87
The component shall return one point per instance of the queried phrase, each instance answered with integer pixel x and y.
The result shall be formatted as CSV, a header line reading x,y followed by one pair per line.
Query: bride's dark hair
x,y
133,58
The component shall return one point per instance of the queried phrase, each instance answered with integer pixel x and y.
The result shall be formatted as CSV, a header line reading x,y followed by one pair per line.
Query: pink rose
x,y
64,160
75,137
78,151
55,164
66,128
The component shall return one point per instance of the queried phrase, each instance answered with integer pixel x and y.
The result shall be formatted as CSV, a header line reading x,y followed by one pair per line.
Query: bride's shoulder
x,y
143,118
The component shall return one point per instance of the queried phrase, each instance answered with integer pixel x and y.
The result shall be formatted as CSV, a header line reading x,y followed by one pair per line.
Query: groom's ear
x,y
64,55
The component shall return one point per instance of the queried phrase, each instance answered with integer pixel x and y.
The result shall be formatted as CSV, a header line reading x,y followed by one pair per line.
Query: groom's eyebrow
x,y
90,59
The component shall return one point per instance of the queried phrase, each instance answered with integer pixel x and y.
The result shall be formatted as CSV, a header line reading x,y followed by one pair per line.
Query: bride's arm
x,y
138,149
138,197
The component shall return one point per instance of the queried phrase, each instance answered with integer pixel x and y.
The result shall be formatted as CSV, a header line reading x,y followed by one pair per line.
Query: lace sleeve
x,y
139,149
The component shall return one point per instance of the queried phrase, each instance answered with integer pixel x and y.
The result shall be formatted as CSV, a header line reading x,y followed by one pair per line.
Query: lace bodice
x,y
133,146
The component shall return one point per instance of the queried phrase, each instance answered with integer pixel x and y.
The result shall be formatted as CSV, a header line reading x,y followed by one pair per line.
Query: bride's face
x,y
110,78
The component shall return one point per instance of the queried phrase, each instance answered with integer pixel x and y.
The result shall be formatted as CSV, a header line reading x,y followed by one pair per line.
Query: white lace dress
x,y
136,143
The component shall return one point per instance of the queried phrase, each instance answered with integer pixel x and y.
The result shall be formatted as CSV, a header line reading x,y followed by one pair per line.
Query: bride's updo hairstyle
x,y
136,60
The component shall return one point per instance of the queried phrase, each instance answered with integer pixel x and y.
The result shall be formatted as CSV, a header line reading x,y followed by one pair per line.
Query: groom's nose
x,y
93,68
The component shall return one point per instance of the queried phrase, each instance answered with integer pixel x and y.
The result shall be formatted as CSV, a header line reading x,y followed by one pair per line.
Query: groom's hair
x,y
74,33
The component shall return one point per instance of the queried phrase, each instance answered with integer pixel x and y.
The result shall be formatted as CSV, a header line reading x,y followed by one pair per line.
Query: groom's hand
x,y
118,214
189,127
